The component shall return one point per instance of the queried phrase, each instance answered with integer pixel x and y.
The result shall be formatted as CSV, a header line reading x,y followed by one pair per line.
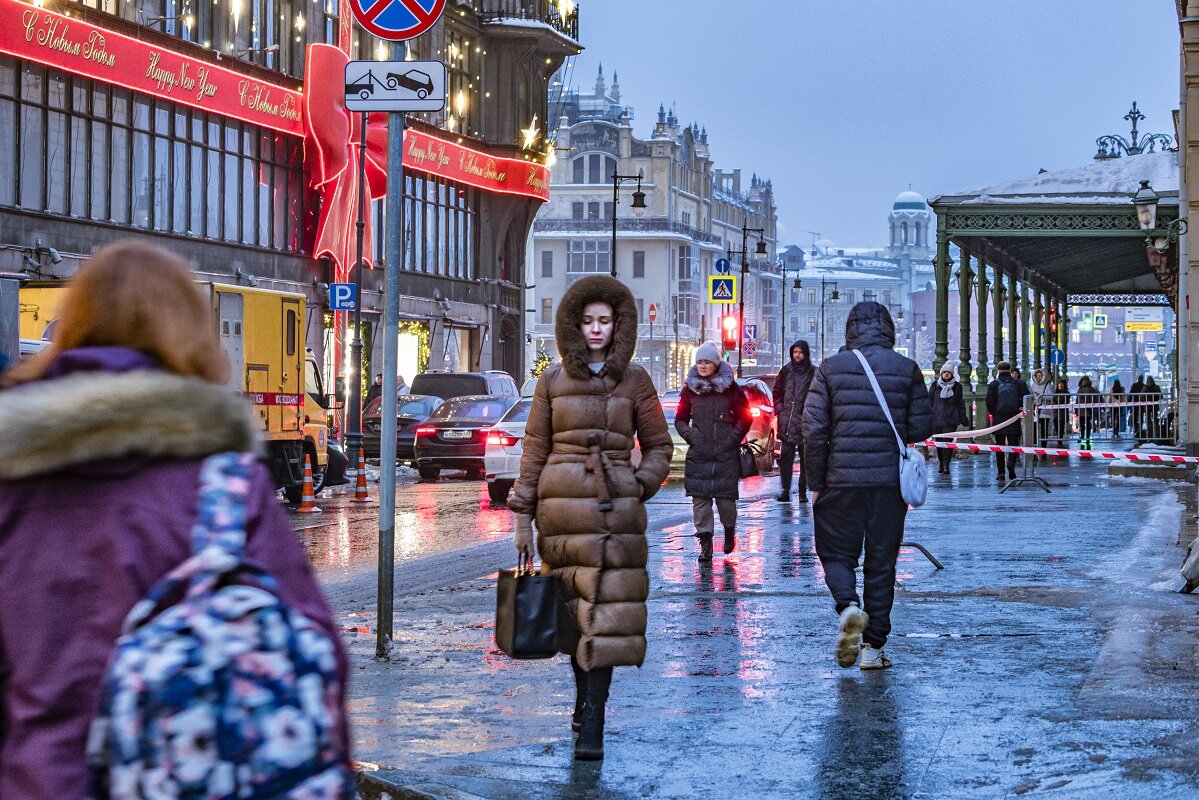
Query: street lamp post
x,y
784,351
759,250
912,331
832,297
638,205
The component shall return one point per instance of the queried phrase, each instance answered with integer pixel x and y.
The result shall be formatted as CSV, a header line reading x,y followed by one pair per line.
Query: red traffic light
x,y
728,333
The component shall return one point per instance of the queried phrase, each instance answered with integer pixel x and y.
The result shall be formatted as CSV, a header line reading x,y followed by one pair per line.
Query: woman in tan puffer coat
x,y
577,479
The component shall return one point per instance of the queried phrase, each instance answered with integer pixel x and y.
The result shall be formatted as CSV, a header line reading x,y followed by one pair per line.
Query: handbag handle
x,y
878,392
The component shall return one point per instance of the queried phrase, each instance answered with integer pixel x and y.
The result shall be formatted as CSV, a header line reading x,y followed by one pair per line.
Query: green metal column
x,y
964,287
1025,311
998,293
941,270
1038,320
980,371
1012,296
1065,328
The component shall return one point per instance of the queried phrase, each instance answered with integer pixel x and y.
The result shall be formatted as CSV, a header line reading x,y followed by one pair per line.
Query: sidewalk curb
x,y
396,785
1166,472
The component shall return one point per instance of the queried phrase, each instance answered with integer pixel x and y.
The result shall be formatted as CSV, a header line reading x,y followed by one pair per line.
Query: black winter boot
x,y
705,546
590,744
576,718
730,540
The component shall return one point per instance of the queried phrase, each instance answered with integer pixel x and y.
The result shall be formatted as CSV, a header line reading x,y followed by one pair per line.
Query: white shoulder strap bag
x,y
913,479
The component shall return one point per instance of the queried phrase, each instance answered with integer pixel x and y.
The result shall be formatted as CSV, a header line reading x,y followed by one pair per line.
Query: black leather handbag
x,y
748,461
527,612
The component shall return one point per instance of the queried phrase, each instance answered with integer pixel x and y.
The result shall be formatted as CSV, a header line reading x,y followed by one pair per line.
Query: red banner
x,y
77,47
474,168
273,399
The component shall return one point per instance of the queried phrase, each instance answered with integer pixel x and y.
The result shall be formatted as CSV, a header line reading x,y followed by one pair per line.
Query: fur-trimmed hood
x,y
719,383
572,347
97,416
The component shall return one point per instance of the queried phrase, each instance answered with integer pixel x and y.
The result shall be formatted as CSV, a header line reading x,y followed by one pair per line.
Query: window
x,y
887,297
591,255
292,328
794,325
640,309
1097,336
599,168
687,218
608,210
811,324
580,164
576,211
639,264
849,296
547,311
547,263
593,210
811,296
685,262
1075,336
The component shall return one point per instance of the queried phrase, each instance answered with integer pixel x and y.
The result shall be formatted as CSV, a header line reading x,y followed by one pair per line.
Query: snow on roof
x,y
830,271
1108,182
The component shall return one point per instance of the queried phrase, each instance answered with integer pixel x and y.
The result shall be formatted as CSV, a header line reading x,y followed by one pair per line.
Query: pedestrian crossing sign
x,y
722,289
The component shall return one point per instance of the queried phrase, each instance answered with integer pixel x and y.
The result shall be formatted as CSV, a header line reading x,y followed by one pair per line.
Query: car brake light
x,y
425,431
501,439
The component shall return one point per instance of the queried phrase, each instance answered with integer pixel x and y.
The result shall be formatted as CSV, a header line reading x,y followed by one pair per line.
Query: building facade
x,y
219,131
694,216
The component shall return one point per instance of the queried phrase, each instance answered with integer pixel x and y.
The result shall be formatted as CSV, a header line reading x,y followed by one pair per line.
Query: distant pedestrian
x,y
1041,390
402,386
790,392
374,390
1005,399
1088,415
712,417
577,480
1153,396
949,411
1117,397
1061,416
107,430
853,472
1136,395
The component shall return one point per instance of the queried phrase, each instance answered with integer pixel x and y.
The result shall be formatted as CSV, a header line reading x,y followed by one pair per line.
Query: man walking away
x,y
790,392
853,470
1005,398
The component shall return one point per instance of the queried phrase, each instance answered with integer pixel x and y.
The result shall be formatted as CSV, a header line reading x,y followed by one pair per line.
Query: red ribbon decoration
x,y
332,150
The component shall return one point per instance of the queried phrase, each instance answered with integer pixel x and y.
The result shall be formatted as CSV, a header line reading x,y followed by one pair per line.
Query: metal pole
x,y
391,327
783,322
741,297
615,184
651,350
354,423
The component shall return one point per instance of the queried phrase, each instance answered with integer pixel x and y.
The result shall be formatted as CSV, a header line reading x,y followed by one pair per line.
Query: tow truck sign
x,y
395,85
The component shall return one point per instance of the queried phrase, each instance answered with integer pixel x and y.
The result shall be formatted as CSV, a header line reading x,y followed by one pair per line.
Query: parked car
x,y
455,435
411,411
762,430
413,80
502,457
444,384
528,387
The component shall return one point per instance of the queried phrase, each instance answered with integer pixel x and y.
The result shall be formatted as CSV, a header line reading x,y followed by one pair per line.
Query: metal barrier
x,y
1140,418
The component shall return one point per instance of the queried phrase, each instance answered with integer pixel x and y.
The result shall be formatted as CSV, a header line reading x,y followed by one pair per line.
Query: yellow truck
x,y
262,332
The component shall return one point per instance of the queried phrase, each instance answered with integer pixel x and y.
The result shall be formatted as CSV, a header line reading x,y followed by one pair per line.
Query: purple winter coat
x,y
98,496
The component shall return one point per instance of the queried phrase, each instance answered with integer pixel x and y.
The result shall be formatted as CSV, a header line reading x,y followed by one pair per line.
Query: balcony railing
x,y
548,11
626,225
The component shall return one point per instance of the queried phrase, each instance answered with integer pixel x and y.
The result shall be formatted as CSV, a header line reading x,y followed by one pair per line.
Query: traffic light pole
x,y
745,232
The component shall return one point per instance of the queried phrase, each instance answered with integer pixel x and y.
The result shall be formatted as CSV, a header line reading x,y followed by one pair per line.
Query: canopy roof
x,y
1072,230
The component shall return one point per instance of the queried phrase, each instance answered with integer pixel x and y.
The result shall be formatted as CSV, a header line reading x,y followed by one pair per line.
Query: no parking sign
x,y
397,20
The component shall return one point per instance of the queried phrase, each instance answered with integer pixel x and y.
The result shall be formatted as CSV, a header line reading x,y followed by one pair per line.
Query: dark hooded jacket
x,y
577,477
847,440
790,392
99,483
713,417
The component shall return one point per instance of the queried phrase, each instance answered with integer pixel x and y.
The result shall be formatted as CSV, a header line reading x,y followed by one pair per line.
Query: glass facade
x,y
89,150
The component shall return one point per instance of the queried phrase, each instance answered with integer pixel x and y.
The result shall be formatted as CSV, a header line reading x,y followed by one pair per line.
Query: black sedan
x,y
455,436
411,411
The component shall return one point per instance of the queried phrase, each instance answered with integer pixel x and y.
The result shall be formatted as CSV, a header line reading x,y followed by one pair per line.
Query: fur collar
x,y
572,347
97,416
719,383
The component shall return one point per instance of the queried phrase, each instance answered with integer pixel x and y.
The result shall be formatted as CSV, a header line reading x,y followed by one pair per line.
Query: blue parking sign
x,y
343,296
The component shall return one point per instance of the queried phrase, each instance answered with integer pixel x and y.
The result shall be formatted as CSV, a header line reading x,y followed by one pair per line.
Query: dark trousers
x,y
787,467
848,520
1010,438
944,456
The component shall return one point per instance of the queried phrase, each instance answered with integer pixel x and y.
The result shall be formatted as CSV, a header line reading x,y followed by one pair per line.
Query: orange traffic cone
x,y
307,496
360,495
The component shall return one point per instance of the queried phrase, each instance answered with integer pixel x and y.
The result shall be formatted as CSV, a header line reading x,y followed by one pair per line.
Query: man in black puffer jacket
x,y
790,392
852,460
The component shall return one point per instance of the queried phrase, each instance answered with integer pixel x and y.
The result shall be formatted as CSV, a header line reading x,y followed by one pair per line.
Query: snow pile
x,y
1100,182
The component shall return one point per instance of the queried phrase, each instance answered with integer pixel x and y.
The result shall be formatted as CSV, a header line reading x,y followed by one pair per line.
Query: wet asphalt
x,y
1052,657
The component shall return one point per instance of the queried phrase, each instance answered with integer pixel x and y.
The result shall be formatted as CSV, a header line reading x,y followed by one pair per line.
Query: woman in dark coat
x,y
578,480
713,417
949,411
1088,396
1061,416
108,428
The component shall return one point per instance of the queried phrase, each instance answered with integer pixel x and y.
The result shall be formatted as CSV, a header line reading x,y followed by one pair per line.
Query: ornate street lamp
x,y
831,297
761,251
1159,239
638,205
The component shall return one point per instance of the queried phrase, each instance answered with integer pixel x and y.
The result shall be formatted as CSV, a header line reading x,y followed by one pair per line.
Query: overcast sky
x,y
843,104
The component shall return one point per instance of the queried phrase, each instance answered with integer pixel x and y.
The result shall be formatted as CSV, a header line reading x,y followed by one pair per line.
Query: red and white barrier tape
x,y
1152,458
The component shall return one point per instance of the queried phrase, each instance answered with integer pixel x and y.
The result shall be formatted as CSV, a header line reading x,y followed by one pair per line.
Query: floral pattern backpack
x,y
216,689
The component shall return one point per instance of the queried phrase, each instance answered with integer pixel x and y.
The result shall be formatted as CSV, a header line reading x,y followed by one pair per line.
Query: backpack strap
x,y
882,401
218,537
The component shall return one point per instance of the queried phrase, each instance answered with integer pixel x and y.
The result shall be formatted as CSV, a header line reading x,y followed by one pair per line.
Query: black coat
x,y
790,392
713,418
993,399
948,412
847,440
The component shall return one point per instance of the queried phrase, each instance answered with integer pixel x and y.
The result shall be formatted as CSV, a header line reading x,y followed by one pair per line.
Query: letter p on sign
x,y
342,296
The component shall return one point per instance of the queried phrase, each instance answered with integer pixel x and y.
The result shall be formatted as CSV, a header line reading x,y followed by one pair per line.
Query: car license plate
x,y
457,434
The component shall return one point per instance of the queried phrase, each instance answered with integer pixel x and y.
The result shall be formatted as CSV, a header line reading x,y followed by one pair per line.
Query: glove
x,y
523,534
